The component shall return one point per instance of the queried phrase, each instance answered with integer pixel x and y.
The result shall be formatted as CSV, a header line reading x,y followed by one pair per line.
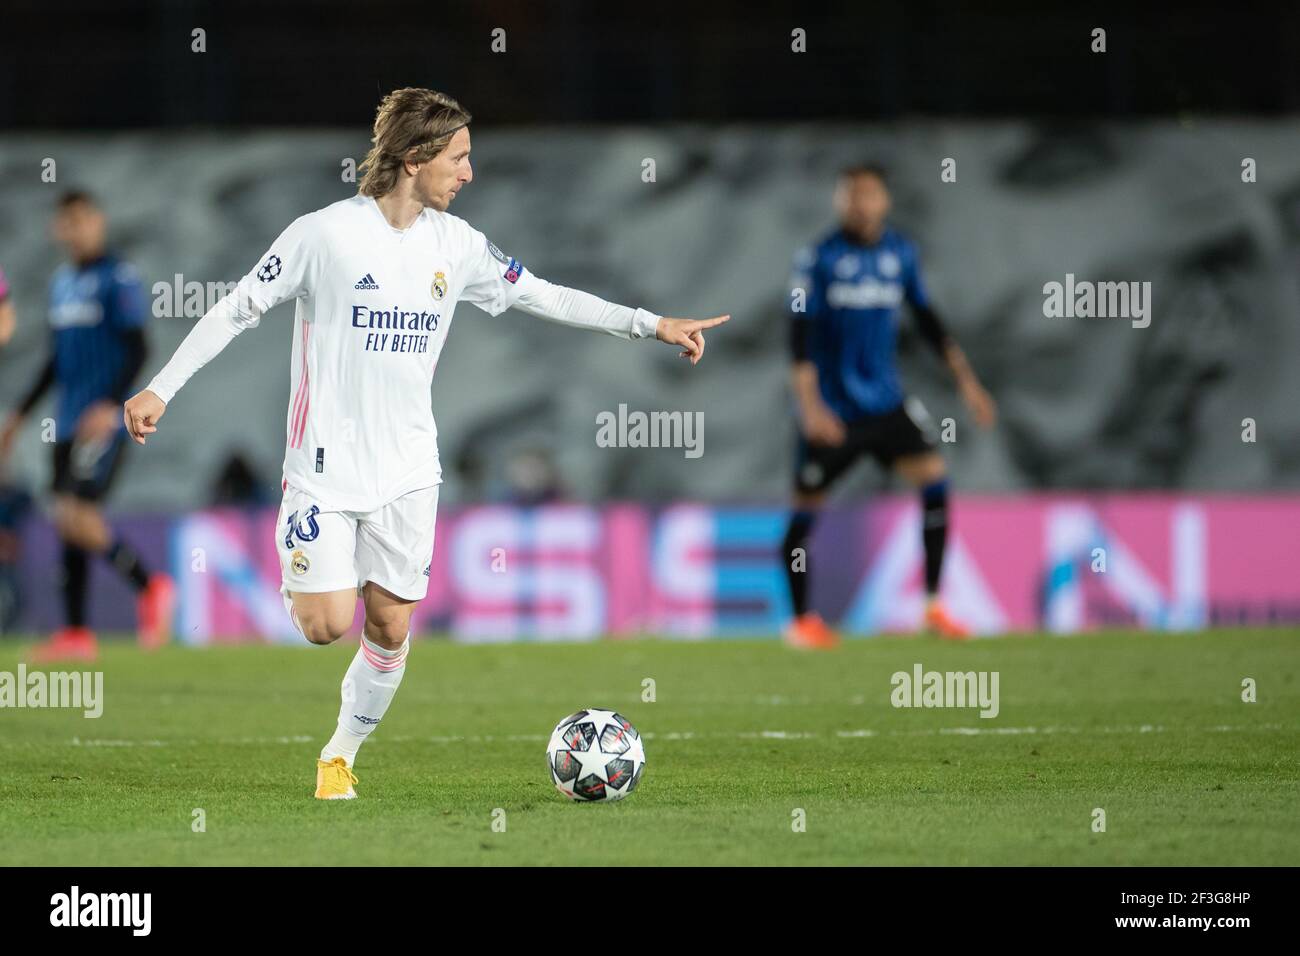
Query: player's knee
x,y
387,632
315,634
67,520
922,470
322,627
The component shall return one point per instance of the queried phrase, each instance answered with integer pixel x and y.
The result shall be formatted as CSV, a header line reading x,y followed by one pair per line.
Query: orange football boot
x,y
154,609
67,644
809,631
939,621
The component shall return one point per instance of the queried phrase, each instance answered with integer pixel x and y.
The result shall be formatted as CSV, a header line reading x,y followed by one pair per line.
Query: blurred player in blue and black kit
x,y
97,313
847,292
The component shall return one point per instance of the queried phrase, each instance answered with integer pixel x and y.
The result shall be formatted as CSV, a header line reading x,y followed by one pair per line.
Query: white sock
x,y
368,688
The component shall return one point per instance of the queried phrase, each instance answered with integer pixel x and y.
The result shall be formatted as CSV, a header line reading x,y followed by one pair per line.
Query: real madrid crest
x,y
299,563
439,287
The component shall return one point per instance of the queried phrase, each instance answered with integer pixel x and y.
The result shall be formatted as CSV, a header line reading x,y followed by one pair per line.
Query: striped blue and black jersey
x,y
852,297
96,308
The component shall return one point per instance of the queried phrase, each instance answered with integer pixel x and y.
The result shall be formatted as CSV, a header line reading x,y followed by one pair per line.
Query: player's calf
x,y
368,688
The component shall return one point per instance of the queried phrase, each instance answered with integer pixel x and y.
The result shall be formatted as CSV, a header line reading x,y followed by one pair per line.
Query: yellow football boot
x,y
334,780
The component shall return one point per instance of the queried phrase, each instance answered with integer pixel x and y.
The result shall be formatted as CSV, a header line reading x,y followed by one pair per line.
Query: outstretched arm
x,y
286,271
572,307
498,281
210,335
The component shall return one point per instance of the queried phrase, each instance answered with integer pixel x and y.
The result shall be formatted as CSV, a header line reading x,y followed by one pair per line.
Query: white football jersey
x,y
374,307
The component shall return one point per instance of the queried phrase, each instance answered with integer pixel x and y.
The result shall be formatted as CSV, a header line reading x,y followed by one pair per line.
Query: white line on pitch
x,y
677,735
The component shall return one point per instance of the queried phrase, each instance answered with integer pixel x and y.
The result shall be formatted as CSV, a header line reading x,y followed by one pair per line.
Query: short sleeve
x,y
492,277
127,306
4,286
913,285
287,270
805,294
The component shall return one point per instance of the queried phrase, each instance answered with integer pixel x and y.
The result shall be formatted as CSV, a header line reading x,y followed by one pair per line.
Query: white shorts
x,y
322,549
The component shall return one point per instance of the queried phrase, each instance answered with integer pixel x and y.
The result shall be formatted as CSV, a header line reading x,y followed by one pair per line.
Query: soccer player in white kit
x,y
376,279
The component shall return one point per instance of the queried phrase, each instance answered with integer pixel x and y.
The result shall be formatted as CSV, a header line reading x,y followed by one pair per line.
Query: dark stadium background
x,y
88,65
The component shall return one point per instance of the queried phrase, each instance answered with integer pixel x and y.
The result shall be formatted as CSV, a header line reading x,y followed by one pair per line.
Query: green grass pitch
x,y
1152,729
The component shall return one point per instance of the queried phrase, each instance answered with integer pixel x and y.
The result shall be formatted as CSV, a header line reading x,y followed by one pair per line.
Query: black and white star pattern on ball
x,y
595,755
270,269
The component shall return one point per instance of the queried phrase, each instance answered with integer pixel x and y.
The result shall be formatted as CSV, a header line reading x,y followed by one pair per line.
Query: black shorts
x,y
907,430
86,471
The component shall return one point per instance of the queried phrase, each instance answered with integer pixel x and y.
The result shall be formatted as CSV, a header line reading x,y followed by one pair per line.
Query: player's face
x,y
80,229
862,203
438,180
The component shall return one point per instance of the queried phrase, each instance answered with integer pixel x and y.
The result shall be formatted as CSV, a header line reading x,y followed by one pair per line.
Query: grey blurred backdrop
x,y
1086,403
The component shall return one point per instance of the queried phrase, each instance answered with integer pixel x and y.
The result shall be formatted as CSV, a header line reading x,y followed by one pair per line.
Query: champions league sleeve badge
x,y
270,269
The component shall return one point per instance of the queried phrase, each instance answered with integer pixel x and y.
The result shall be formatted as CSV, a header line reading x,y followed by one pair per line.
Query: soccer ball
x,y
595,755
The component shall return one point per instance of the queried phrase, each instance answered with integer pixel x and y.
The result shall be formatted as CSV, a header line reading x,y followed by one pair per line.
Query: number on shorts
x,y
295,528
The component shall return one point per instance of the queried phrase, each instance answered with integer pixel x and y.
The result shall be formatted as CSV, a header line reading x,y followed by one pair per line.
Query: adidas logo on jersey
x,y
367,282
